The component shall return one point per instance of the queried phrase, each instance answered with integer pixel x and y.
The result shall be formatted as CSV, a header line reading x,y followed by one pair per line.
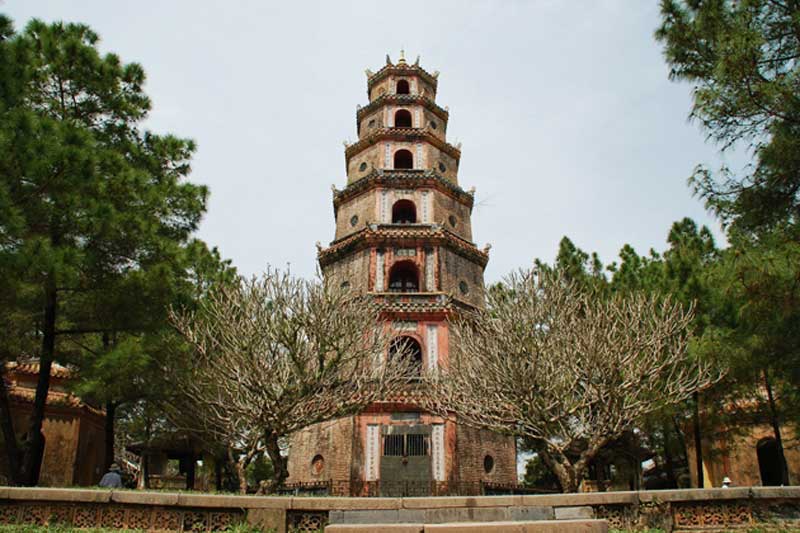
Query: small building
x,y
170,461
73,430
748,457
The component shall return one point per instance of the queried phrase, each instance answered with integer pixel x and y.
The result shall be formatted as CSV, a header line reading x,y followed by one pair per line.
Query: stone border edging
x,y
225,501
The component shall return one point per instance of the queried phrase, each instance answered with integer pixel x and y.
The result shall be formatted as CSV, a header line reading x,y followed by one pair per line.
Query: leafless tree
x,y
566,369
276,354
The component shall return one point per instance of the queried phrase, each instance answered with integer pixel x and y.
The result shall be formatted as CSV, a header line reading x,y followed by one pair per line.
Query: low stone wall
x,y
685,510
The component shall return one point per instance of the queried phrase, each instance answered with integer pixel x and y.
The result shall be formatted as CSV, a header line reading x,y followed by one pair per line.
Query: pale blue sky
x,y
568,122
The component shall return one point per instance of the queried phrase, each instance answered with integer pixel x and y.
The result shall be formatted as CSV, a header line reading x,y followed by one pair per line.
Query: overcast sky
x,y
568,122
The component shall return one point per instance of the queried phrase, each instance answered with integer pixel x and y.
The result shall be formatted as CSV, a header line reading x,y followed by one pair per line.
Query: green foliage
x,y
537,475
259,470
96,216
742,61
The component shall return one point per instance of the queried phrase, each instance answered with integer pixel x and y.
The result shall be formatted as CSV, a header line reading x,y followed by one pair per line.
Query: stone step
x,y
533,526
447,515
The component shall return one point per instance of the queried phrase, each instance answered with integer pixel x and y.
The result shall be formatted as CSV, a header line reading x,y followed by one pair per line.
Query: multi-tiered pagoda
x,y
403,235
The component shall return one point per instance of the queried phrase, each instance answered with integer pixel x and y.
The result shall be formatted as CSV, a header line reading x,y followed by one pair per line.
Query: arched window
x,y
402,87
404,277
403,159
404,212
769,462
410,348
402,119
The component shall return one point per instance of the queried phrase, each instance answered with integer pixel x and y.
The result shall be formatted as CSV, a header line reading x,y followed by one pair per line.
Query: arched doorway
x,y
769,462
402,119
403,159
404,277
402,87
404,212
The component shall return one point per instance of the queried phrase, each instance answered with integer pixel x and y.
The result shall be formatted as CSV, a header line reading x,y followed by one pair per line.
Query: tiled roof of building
x,y
379,134
402,99
54,398
402,69
403,179
31,368
396,233
27,395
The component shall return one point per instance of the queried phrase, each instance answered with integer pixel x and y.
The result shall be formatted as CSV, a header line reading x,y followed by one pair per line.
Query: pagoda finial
x,y
402,60
416,61
388,60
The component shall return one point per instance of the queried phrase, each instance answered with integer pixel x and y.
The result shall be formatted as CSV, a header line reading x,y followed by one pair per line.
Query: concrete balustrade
x,y
709,509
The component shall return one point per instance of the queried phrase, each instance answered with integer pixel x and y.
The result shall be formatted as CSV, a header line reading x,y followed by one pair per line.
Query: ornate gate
x,y
406,461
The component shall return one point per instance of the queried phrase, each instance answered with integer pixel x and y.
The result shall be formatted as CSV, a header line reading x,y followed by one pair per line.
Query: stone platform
x,y
706,510
538,526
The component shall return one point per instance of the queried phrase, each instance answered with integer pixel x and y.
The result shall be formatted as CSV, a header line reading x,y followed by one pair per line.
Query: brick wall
x,y
454,269
331,440
472,448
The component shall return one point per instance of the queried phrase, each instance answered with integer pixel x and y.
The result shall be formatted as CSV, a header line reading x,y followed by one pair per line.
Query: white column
x,y
437,451
433,346
417,122
387,159
385,219
379,271
425,215
390,118
430,270
373,447
418,163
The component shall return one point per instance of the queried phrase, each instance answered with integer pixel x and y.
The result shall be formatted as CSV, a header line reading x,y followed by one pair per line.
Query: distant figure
x,y
112,479
726,482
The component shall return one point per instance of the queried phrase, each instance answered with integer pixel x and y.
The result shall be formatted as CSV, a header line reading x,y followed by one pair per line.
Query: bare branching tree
x,y
565,369
276,354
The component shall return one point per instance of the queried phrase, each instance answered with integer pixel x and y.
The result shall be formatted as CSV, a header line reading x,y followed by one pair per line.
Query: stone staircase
x,y
530,526
516,519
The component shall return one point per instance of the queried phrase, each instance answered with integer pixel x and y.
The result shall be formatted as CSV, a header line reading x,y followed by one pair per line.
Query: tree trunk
x,y
669,464
776,428
562,468
111,411
218,472
34,449
698,441
240,466
280,469
9,436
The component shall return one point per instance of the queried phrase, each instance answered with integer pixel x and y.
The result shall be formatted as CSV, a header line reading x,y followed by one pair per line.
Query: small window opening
x,y
407,347
409,445
403,159
404,212
402,119
404,277
402,87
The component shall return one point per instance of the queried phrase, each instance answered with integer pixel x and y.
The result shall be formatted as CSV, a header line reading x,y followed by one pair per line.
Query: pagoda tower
x,y
404,236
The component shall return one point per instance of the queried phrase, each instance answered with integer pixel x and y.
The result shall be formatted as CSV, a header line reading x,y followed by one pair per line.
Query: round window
x,y
452,219
463,287
442,168
354,220
488,464
362,167
317,465
434,125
